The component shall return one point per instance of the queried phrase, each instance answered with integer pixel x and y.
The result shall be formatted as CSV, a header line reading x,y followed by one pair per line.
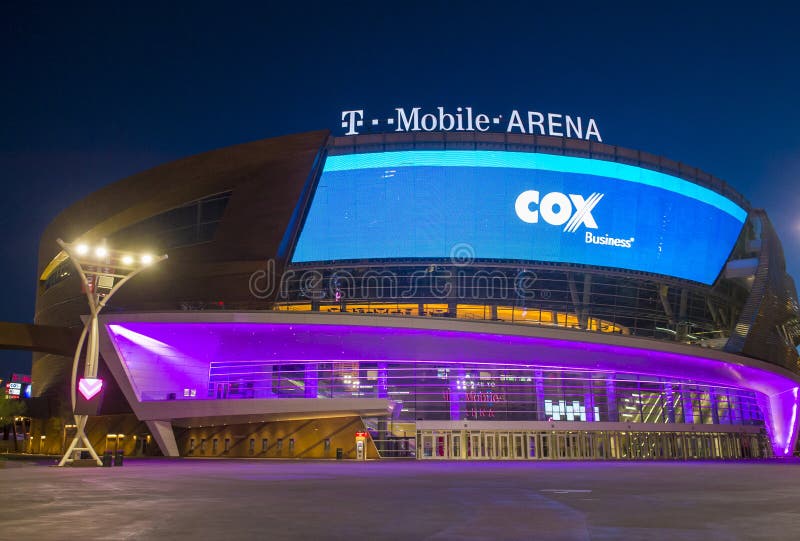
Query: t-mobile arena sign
x,y
466,119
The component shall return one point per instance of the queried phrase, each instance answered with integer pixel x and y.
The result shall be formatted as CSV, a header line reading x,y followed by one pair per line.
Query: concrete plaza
x,y
282,499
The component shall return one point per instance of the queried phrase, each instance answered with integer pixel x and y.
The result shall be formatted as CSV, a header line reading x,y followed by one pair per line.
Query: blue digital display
x,y
517,206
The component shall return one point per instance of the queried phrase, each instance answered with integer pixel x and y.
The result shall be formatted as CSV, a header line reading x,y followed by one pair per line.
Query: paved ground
x,y
271,499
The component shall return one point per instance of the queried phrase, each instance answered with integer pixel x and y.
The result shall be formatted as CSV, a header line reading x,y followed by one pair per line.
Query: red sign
x,y
361,434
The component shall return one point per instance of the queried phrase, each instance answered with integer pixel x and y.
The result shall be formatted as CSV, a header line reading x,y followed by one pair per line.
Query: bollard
x,y
339,453
107,458
118,458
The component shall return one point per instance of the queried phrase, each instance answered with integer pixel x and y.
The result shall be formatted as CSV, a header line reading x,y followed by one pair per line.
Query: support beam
x,y
683,323
663,294
583,316
164,436
576,302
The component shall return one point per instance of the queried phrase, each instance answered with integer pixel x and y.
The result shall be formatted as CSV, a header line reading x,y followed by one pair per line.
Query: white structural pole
x,y
91,336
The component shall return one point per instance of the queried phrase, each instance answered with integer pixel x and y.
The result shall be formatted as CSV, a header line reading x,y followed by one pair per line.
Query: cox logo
x,y
557,208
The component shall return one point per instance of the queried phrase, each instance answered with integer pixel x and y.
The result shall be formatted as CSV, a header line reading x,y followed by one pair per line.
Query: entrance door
x,y
545,445
504,449
475,446
427,445
490,444
533,446
518,447
573,445
441,445
455,448
560,440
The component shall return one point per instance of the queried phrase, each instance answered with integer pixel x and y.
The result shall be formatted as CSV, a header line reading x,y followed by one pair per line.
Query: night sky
x,y
92,93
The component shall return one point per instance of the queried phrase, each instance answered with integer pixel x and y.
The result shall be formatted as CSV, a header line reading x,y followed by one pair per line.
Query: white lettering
x,y
606,240
428,122
591,129
523,206
539,122
515,122
415,119
351,120
552,124
557,208
573,128
405,123
583,211
470,127
548,207
445,117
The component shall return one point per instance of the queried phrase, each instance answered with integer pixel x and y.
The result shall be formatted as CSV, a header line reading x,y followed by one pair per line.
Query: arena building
x,y
445,295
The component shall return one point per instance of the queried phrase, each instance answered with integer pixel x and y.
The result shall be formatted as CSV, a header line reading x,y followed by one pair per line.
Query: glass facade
x,y
191,223
548,297
456,392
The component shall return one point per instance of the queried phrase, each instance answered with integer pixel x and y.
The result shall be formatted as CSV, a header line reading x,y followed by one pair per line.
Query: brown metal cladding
x,y
271,172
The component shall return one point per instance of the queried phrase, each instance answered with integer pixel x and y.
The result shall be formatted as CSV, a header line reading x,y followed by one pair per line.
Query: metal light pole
x,y
102,273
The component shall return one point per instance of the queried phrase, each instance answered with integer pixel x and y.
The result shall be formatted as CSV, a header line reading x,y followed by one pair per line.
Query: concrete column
x,y
452,309
683,324
164,436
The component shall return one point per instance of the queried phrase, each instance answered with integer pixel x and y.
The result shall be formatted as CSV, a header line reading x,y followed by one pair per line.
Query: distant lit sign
x,y
13,390
517,206
468,119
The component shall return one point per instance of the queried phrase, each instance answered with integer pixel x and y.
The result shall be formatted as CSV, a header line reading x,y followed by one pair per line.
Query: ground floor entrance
x,y
488,444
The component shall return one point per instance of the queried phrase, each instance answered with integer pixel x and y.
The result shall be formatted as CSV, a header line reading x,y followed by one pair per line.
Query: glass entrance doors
x,y
588,445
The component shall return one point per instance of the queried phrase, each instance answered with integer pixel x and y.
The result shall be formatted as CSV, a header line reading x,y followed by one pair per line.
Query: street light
x,y
102,271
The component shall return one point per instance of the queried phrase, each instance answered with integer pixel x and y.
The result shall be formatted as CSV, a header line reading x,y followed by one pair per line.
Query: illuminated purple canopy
x,y
174,350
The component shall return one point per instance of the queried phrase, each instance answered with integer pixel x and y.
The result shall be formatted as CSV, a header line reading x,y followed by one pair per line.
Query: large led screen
x,y
516,206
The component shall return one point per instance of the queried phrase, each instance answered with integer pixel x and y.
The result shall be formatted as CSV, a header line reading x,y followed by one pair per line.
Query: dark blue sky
x,y
94,92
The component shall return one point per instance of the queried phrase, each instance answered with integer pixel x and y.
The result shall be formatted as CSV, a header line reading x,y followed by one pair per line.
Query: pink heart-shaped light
x,y
89,387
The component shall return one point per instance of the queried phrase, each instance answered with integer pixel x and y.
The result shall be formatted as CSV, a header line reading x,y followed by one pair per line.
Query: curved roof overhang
x,y
309,337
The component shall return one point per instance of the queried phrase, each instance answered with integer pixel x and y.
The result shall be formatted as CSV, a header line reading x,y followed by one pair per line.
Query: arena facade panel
x,y
448,295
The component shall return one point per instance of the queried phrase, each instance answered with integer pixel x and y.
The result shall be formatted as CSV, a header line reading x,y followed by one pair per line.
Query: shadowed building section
x,y
41,338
